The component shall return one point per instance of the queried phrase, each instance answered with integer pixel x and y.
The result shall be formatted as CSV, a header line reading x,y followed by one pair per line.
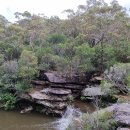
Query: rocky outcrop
x,y
53,91
72,78
37,95
121,113
57,90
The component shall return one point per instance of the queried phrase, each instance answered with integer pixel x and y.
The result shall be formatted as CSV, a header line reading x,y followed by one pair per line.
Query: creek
x,y
13,120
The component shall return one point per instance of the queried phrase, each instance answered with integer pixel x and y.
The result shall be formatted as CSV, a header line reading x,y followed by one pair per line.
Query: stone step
x,y
68,86
56,91
36,95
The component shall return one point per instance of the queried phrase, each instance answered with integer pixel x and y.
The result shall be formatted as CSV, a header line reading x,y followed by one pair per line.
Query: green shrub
x,y
56,38
107,55
122,51
105,121
8,101
83,56
27,68
127,80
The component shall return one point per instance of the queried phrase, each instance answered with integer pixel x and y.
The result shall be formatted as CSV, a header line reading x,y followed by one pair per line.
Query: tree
x,y
27,67
83,58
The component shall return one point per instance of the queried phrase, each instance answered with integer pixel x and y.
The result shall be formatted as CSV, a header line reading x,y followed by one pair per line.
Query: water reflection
x,y
14,121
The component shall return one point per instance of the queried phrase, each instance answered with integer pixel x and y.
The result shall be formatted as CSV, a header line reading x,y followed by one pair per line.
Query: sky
x,y
46,7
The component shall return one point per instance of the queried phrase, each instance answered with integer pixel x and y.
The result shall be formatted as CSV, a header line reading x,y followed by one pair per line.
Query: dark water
x,y
13,120
84,106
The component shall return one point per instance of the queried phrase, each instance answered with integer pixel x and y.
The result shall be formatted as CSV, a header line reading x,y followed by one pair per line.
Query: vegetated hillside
x,y
94,37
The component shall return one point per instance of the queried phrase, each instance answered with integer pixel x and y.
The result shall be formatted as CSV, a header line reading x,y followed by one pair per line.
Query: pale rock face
x,y
121,113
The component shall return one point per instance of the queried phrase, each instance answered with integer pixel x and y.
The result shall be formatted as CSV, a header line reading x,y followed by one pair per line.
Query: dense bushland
x,y
94,37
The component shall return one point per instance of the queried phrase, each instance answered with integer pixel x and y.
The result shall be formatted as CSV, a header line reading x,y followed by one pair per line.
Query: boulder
x,y
121,113
53,78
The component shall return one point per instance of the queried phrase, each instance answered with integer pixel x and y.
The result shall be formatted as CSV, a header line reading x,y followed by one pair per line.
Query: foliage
x,y
108,56
28,59
105,121
108,88
88,121
94,37
83,57
122,52
27,67
8,73
127,80
116,79
56,38
8,101
1,59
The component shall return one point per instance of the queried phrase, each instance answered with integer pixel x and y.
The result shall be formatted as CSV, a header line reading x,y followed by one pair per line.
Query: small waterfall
x,y
68,117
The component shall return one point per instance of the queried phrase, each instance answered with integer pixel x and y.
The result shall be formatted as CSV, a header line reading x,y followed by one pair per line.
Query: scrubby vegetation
x,y
105,121
93,38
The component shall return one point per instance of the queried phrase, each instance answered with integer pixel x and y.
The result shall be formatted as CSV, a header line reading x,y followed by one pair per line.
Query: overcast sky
x,y
47,7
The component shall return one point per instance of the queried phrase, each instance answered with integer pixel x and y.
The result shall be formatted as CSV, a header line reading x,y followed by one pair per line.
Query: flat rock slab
x,y
56,91
56,105
68,86
41,96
